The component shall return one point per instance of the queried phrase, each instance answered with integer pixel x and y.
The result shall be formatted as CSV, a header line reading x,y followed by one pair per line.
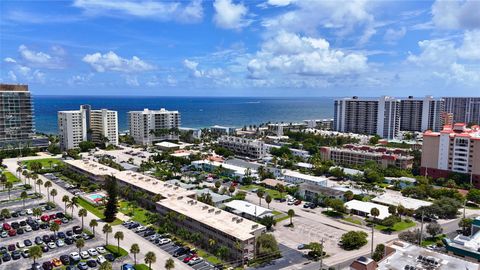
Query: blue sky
x,y
242,48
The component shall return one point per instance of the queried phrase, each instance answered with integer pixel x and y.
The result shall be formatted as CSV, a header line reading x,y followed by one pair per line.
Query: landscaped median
x,y
96,210
117,252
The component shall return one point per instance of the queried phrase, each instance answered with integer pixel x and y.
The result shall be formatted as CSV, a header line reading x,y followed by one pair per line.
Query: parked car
x,y
56,262
92,252
84,254
195,260
127,267
101,250
74,256
92,263
65,259
47,265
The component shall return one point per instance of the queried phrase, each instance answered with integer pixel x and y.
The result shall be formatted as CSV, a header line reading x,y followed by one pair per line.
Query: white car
x,y
92,252
101,259
84,255
60,243
4,234
101,250
51,245
195,260
29,212
20,245
27,228
75,256
164,241
140,229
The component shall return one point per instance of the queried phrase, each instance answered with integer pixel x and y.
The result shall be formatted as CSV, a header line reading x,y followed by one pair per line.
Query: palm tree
x,y
135,249
39,183
54,227
231,189
268,200
26,176
119,236
150,258
35,253
73,203
3,180
23,196
53,193
105,266
19,171
375,213
106,230
80,243
48,185
9,186
93,224
169,264
281,189
37,212
291,213
212,242
260,194
82,213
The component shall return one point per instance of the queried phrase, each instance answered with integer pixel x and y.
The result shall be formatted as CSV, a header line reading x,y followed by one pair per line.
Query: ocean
x,y
196,112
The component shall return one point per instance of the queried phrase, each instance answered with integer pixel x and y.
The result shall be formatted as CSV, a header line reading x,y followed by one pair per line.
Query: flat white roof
x,y
231,224
92,167
248,208
167,144
237,169
398,199
303,176
365,207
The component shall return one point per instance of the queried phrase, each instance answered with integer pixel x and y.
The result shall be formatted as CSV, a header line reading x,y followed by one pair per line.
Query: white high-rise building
x,y
371,116
465,109
104,126
149,126
421,114
98,126
72,128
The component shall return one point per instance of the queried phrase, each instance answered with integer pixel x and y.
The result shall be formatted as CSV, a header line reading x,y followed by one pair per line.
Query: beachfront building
x,y
351,154
195,132
420,114
243,146
324,124
371,116
464,109
295,177
150,126
76,126
222,130
17,123
454,149
280,128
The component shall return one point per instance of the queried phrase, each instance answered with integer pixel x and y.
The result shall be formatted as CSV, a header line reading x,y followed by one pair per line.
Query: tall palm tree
x,y
80,243
39,183
375,213
9,186
169,264
23,196
19,171
35,253
65,200
135,249
48,185
260,194
291,213
53,193
82,213
106,230
93,224
54,227
150,258
119,236
268,200
25,176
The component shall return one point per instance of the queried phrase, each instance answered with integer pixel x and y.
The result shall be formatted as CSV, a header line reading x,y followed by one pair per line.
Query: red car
x,y
12,232
53,216
7,226
297,202
189,258
45,218
58,221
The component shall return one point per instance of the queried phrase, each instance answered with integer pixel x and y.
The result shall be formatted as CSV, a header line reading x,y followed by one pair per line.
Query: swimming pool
x,y
95,197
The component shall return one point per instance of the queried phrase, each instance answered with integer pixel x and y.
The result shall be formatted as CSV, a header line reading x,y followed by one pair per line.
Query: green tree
x,y
9,186
474,195
281,189
434,229
66,200
291,213
392,210
353,240
35,166
48,185
374,212
465,224
53,193
54,227
260,193
111,207
268,200
135,249
105,266
35,253
169,264
268,222
267,247
335,204
39,183
93,224
85,146
348,195
119,236
379,252
5,213
107,229
82,213
80,243
150,258
223,252
37,212
316,250
23,196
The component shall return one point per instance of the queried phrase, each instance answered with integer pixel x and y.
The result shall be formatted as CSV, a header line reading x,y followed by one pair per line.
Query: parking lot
x,y
163,242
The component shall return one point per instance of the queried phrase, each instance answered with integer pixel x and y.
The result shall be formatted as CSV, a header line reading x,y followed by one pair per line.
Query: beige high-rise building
x,y
454,149
150,126
104,126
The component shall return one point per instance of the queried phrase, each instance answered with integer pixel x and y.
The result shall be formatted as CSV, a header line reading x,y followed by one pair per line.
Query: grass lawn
x,y
276,213
114,250
141,267
139,214
282,218
11,177
272,192
208,257
353,220
431,241
95,210
46,162
399,226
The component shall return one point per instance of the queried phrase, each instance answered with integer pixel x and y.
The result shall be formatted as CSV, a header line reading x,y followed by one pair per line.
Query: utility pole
x,y
421,231
321,254
371,250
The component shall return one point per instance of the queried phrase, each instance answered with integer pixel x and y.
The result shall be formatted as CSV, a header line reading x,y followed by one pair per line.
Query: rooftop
x,y
365,207
231,224
167,145
92,167
251,209
216,198
458,129
147,111
300,175
421,258
237,169
398,199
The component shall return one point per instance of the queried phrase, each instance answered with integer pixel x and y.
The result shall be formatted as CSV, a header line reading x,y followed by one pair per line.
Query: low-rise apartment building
x,y
229,170
324,124
243,146
222,130
454,149
358,154
296,152
295,177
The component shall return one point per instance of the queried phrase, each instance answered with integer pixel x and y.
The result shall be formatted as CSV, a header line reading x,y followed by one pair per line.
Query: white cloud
x,y
112,62
470,49
12,76
229,15
450,14
39,59
457,73
23,70
289,53
171,81
132,81
192,66
280,3
9,60
392,35
156,10
80,79
436,53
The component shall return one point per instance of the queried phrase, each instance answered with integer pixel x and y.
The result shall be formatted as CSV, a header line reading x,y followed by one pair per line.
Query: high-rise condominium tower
x,y
420,114
149,126
17,125
371,116
465,109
